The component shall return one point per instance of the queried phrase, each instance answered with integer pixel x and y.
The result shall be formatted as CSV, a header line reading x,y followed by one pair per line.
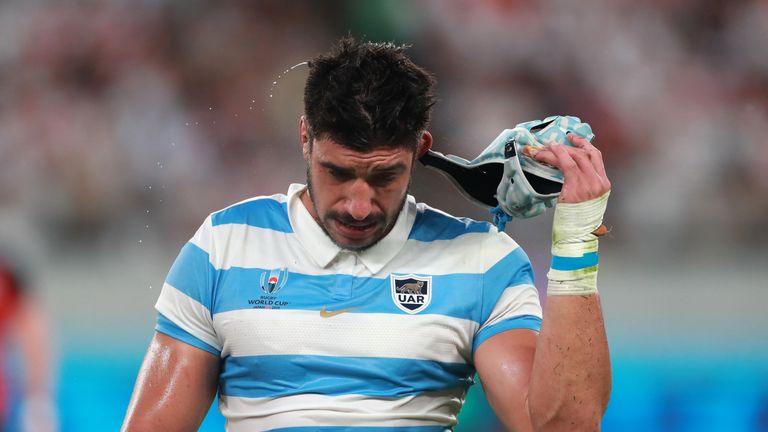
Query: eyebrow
x,y
391,169
333,167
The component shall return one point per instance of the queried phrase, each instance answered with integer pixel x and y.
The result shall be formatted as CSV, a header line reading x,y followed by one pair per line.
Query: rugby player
x,y
347,305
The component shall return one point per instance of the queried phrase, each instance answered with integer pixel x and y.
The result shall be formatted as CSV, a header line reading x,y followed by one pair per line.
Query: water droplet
x,y
235,115
186,124
250,108
150,287
146,226
147,211
253,100
149,187
197,123
210,108
139,241
279,76
161,200
173,144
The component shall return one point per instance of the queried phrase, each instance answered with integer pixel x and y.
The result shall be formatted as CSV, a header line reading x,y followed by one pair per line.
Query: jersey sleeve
x,y
186,301
510,299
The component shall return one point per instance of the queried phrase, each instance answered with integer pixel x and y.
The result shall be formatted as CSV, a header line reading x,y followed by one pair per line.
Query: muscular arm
x,y
174,389
560,380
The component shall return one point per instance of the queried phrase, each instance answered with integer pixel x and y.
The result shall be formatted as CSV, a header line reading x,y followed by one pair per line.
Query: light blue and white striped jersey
x,y
313,337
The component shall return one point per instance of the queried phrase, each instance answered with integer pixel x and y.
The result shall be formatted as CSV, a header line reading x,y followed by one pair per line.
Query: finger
x,y
595,156
585,176
582,160
588,177
544,155
564,161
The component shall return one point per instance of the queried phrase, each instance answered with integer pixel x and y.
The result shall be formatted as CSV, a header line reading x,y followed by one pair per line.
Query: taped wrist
x,y
574,247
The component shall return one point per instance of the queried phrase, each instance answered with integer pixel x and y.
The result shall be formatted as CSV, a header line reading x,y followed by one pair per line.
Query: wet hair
x,y
368,95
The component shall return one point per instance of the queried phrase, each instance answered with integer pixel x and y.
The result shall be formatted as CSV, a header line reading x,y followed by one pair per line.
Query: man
x,y
23,321
346,305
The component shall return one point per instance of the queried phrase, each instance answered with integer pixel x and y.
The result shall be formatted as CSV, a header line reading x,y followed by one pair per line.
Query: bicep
x,y
504,363
174,389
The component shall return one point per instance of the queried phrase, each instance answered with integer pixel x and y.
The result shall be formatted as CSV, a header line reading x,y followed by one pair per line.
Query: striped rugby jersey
x,y
316,338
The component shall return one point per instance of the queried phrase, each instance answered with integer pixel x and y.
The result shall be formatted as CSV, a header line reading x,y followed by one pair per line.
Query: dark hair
x,y
366,95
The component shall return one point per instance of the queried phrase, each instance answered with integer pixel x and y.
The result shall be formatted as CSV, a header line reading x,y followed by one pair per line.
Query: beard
x,y
323,219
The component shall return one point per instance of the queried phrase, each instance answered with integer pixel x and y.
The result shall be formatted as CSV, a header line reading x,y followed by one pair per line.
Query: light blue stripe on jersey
x,y
285,375
166,326
191,274
528,322
431,225
453,295
364,429
514,267
589,259
262,213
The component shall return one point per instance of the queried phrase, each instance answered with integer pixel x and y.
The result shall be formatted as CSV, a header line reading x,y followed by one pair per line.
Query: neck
x,y
306,200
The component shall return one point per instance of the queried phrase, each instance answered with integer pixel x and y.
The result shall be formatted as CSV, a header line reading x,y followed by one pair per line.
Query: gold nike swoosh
x,y
327,314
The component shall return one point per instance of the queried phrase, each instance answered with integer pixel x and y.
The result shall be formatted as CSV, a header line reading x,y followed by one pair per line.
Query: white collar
x,y
323,250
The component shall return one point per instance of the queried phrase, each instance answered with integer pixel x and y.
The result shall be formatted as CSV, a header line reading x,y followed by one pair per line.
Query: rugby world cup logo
x,y
411,293
274,280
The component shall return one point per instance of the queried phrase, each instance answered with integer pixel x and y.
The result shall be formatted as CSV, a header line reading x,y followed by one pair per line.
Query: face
x,y
356,197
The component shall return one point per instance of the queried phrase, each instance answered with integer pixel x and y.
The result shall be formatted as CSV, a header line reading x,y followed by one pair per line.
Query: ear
x,y
304,137
425,143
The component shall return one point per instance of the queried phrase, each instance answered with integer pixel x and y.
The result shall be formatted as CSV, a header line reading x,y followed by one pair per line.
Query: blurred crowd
x,y
135,119
124,123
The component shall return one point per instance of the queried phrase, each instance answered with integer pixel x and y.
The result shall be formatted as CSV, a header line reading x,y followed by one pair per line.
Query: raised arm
x,y
560,380
174,389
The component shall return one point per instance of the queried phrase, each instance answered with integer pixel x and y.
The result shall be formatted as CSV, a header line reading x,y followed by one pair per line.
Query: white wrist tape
x,y
574,247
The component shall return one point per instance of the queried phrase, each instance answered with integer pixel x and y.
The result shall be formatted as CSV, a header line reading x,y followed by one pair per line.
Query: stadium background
x,y
123,123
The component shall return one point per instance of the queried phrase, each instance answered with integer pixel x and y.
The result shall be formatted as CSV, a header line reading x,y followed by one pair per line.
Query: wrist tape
x,y
574,247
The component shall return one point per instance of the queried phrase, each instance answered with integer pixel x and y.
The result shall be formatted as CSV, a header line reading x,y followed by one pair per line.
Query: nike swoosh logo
x,y
327,314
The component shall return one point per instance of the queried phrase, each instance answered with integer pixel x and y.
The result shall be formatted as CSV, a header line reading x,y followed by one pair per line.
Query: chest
x,y
279,312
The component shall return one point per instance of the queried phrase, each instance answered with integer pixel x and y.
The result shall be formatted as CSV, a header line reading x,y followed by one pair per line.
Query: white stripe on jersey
x,y
253,332
187,313
202,237
254,247
259,414
515,301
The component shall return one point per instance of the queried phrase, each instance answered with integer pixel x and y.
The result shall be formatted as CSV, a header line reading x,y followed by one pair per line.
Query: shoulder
x,y
432,224
482,237
269,212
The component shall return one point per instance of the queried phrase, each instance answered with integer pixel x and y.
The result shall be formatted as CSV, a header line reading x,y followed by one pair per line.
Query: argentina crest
x,y
411,293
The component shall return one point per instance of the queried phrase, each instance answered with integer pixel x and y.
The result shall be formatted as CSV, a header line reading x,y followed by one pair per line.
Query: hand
x,y
582,167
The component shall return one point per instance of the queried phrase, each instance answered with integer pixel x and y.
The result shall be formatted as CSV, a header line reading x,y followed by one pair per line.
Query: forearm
x,y
571,377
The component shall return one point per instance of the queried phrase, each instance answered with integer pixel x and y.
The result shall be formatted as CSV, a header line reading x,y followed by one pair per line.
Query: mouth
x,y
356,231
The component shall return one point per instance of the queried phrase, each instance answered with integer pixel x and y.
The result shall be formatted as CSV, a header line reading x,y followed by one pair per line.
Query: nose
x,y
360,200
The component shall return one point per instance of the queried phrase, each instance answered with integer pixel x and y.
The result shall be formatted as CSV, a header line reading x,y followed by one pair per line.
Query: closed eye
x,y
382,179
340,174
